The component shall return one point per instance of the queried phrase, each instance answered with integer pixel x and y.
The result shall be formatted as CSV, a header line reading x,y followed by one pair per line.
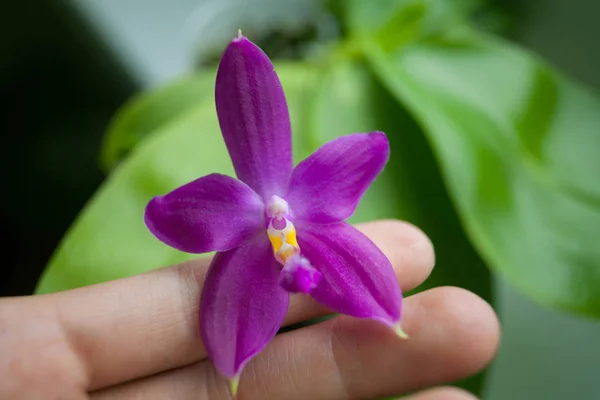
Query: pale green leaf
x,y
518,147
153,110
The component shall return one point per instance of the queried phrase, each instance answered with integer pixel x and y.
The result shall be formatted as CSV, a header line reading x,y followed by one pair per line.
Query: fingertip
x,y
466,323
483,323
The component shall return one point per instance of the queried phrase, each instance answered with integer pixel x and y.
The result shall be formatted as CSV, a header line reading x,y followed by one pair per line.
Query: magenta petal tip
x,y
358,279
241,306
328,185
254,117
198,217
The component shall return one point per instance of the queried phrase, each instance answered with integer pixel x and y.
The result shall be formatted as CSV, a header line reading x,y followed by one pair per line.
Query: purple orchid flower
x,y
277,229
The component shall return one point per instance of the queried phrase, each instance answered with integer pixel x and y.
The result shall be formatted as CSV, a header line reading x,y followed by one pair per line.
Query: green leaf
x,y
518,146
348,100
403,26
109,240
151,111
365,17
396,22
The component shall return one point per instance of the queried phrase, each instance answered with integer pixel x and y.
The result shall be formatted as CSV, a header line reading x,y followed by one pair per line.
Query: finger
x,y
443,393
148,323
453,334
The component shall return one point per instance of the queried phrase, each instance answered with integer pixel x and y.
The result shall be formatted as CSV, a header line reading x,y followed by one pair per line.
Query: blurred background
x,y
66,67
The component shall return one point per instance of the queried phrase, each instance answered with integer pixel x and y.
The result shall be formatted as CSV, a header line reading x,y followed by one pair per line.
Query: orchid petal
x,y
242,305
254,118
357,279
215,212
327,186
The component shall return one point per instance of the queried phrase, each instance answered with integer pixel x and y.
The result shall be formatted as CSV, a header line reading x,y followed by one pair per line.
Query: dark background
x,y
59,85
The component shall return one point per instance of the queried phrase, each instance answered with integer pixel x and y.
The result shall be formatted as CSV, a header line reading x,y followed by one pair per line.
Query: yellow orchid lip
x,y
281,230
282,234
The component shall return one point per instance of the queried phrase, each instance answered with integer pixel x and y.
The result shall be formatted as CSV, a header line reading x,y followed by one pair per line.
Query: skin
x,y
138,338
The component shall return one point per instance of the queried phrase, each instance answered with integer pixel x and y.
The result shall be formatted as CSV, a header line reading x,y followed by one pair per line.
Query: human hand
x,y
137,338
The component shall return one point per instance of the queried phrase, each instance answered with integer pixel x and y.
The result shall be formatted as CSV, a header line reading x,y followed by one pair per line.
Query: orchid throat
x,y
297,274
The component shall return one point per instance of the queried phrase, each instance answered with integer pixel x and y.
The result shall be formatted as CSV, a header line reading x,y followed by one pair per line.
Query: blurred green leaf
x,y
395,22
349,99
403,26
366,17
151,111
109,239
518,147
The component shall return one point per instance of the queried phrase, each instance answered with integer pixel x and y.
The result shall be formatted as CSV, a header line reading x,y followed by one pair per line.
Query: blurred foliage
x,y
494,154
517,144
149,112
109,239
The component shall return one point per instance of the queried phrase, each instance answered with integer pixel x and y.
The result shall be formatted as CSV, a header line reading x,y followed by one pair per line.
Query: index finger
x,y
148,323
